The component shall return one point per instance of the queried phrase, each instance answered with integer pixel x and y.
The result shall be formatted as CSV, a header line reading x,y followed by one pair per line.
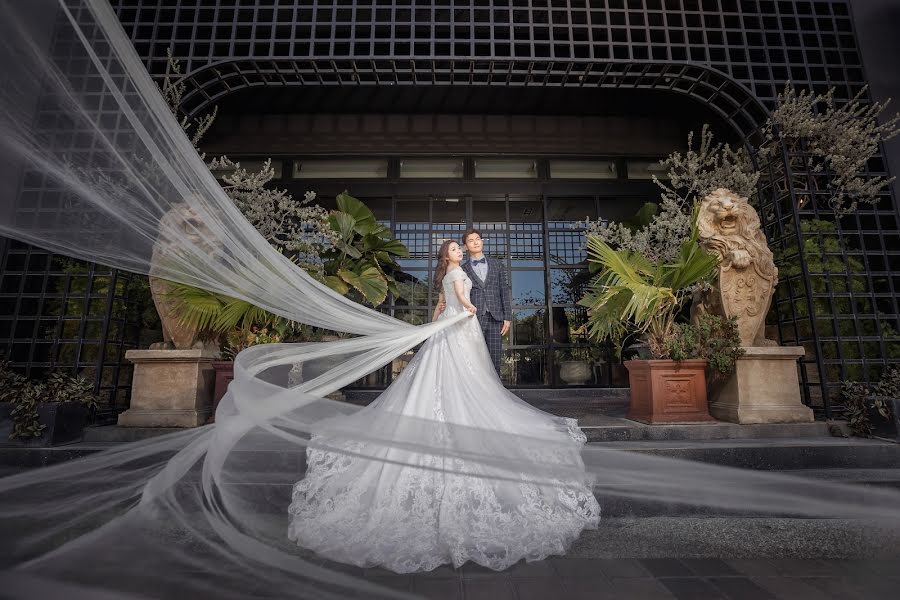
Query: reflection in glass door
x,y
520,242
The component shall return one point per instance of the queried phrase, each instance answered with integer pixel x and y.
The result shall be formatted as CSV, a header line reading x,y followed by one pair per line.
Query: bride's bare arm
x,y
438,309
459,288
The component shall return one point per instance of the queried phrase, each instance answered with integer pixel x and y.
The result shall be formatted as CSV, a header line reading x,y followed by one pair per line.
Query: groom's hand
x,y
505,329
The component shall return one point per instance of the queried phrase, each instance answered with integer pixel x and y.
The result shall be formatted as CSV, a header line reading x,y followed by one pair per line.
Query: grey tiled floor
x,y
657,579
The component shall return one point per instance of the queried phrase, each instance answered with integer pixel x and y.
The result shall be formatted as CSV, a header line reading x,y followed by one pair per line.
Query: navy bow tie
x,y
480,261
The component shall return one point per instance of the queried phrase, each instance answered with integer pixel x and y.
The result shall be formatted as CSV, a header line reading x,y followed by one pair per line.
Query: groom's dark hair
x,y
469,232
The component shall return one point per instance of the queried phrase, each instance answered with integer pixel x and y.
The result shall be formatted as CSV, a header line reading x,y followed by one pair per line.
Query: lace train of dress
x,y
413,512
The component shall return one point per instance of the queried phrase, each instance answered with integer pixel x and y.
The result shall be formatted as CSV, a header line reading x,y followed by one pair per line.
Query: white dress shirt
x,y
481,269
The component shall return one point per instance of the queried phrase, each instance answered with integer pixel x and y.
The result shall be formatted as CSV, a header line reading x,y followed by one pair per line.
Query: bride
x,y
389,507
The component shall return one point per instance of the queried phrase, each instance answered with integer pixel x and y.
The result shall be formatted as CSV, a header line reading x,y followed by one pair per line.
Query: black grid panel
x,y
837,290
57,313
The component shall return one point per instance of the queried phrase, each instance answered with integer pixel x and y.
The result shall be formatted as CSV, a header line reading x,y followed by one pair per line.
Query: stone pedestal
x,y
763,389
170,388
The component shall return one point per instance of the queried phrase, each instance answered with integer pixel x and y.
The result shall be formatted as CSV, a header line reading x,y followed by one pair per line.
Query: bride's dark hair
x,y
443,262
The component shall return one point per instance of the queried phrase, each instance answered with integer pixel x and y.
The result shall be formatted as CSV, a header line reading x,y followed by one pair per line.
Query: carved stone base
x,y
764,388
170,388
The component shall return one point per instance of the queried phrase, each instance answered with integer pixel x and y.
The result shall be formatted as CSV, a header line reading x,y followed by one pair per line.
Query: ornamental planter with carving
x,y
668,391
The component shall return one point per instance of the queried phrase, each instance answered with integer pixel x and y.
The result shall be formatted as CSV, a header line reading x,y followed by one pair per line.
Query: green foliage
x,y
136,307
215,314
633,294
861,399
838,285
25,396
361,261
244,337
713,338
578,353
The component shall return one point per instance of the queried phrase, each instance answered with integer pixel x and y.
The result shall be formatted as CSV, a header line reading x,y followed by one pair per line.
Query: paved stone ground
x,y
685,559
659,579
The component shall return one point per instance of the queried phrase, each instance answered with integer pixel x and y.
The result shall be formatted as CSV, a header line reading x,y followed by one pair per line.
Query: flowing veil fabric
x,y
96,167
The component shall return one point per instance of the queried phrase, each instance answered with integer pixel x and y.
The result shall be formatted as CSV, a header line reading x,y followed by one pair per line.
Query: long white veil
x,y
93,165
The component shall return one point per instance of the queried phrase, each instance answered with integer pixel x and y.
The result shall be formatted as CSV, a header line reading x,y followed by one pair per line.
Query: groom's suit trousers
x,y
491,297
491,328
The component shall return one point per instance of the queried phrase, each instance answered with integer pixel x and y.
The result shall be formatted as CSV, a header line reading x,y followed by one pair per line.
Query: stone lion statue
x,y
179,225
729,227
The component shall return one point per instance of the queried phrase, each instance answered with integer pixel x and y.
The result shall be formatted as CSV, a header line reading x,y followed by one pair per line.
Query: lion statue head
x,y
181,230
725,214
730,227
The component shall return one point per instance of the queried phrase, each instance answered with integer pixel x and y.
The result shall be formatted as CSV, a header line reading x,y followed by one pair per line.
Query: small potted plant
x,y
575,365
43,413
236,340
872,410
637,296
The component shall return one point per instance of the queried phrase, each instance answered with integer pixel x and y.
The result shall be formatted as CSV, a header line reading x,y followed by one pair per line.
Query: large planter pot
x,y
668,391
575,372
224,375
881,426
64,420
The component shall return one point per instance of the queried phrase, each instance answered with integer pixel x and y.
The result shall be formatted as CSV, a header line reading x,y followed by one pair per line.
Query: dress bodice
x,y
449,293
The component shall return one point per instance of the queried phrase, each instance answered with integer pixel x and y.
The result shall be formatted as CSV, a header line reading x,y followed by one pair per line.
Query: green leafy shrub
x,y
26,395
239,339
713,338
861,398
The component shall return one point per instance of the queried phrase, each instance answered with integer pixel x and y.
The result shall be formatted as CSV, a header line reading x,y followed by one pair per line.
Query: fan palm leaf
x,y
631,293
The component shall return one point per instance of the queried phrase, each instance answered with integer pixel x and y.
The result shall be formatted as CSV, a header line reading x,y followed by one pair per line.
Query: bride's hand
x,y
472,309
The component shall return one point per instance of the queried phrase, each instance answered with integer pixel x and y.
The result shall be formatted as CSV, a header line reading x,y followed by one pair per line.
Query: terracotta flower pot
x,y
224,374
668,391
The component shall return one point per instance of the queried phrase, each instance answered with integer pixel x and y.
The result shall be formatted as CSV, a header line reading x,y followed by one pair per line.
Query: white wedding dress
x,y
409,511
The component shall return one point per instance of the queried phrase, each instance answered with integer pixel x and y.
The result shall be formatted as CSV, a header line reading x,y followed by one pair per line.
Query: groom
x,y
490,293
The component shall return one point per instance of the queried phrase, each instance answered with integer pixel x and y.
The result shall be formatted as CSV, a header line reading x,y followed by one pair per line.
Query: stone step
x,y
270,475
543,398
271,497
616,506
623,430
42,457
114,433
603,428
771,453
774,453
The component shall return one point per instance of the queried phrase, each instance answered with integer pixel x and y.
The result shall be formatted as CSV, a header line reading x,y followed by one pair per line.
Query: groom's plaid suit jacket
x,y
491,298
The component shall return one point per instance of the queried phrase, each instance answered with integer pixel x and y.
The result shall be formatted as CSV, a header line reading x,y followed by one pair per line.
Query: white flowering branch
x,y
690,176
296,228
839,140
173,87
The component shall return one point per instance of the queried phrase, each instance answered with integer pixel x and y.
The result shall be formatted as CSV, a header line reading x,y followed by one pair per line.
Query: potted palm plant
x,y
633,295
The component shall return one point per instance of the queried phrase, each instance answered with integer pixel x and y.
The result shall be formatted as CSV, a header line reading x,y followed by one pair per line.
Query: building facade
x,y
520,118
